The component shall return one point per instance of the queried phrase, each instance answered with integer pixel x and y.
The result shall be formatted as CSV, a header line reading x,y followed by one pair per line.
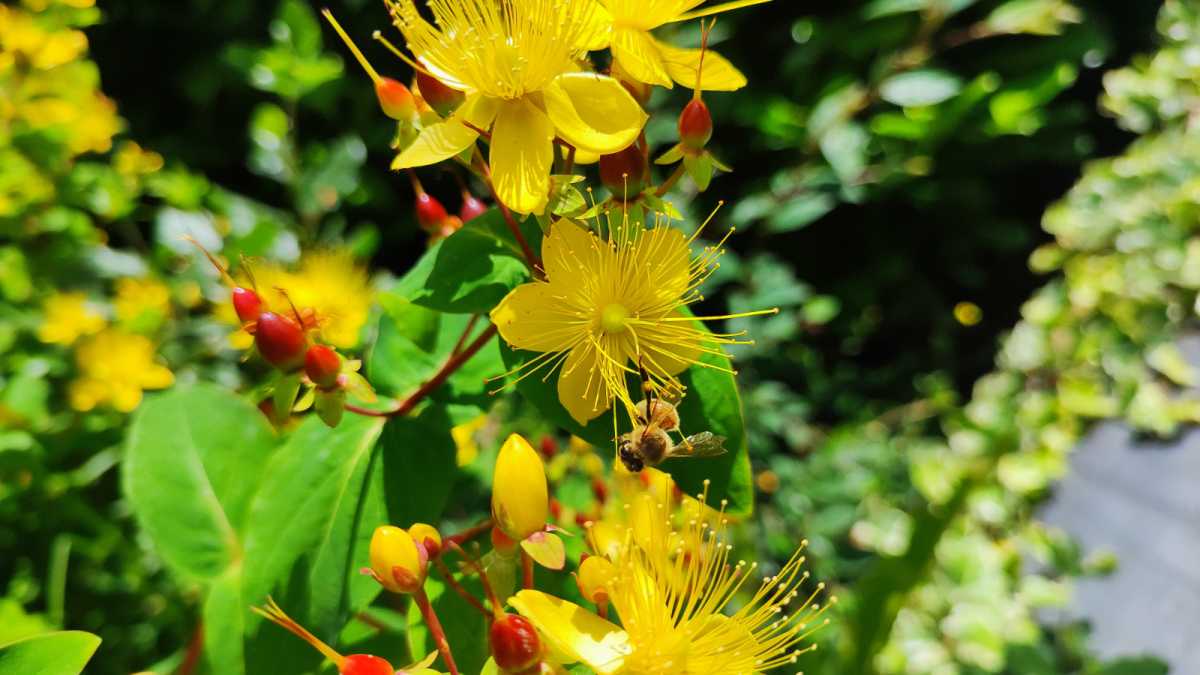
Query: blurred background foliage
x,y
899,172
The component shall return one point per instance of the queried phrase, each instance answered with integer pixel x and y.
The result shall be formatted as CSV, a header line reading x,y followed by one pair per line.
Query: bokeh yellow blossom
x,y
66,317
141,303
115,367
517,63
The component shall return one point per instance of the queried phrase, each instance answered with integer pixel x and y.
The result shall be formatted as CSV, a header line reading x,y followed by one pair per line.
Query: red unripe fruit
x,y
695,125
322,365
247,304
280,340
548,446
430,212
365,664
624,173
515,643
441,98
395,99
471,208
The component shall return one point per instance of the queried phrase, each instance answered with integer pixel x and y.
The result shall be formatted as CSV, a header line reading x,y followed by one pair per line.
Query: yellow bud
x,y
396,560
520,498
594,576
605,539
426,535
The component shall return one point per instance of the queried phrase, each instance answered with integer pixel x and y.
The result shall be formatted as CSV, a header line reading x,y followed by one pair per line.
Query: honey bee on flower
x,y
609,305
517,62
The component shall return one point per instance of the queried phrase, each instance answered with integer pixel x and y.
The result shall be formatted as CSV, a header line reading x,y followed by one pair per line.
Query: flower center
x,y
613,318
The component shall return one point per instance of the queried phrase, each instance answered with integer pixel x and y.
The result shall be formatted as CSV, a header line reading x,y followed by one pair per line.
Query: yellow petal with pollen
x,y
639,56
574,631
533,317
719,74
521,155
593,112
581,387
443,140
570,251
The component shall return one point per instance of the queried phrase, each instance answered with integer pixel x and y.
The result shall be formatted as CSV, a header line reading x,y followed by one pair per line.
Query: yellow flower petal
x,y
598,29
594,112
574,631
569,249
639,56
521,154
443,140
531,318
520,497
719,74
581,387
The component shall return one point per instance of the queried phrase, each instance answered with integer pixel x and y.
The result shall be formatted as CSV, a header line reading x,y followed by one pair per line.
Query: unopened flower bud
x,y
472,207
441,98
594,576
398,563
247,304
395,99
280,340
322,365
624,173
695,125
430,212
520,497
365,664
427,536
515,644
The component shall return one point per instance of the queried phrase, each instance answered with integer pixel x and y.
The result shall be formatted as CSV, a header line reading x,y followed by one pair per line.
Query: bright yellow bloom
x,y
670,589
639,55
67,317
465,445
517,62
40,48
608,305
141,300
115,367
329,282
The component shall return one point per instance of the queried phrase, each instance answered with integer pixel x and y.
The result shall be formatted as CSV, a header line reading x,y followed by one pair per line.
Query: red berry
x,y
695,125
365,664
322,365
280,340
247,304
430,212
515,643
624,173
395,99
471,208
441,98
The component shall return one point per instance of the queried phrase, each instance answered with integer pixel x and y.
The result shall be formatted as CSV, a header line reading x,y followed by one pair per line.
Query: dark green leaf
x,y
419,467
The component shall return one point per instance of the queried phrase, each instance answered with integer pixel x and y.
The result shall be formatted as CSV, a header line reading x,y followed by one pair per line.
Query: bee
x,y
650,443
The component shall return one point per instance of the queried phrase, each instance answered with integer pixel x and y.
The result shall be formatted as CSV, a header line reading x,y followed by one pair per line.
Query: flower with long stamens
x,y
609,305
641,57
670,586
517,62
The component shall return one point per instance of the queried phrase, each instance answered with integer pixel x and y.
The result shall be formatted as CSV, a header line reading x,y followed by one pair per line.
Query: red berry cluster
x,y
433,217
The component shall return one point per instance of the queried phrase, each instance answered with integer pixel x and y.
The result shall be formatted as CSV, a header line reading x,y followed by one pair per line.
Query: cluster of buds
x,y
433,217
285,341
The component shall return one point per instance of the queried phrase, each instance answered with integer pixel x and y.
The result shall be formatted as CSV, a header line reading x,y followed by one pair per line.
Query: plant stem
x,y
483,578
451,365
471,532
671,181
435,629
195,646
448,575
462,339
526,570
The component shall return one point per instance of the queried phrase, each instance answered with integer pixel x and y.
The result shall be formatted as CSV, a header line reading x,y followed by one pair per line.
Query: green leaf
x,y
928,86
712,404
224,622
319,502
419,466
471,270
190,470
61,653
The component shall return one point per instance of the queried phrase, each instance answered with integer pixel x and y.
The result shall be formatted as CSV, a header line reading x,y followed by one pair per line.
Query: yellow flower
x,y
67,317
520,498
330,282
639,55
141,301
466,447
607,306
42,49
516,61
114,368
670,589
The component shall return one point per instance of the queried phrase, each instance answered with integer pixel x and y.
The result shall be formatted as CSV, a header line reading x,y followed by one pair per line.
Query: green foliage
x,y
62,653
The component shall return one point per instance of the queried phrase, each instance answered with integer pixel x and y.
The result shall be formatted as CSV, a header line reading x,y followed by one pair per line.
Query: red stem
x,y
462,592
526,570
195,646
435,629
448,368
670,182
483,578
471,532
466,332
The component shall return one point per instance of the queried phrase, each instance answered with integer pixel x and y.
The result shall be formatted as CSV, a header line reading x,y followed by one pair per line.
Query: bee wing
x,y
704,444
